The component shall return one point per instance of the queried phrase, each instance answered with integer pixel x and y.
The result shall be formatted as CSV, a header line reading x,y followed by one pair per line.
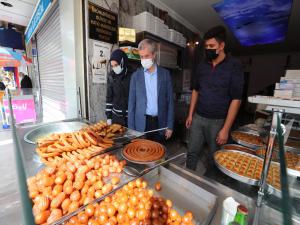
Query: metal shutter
x,y
50,59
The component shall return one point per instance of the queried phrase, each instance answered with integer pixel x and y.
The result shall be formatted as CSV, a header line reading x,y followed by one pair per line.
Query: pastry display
x,y
238,148
247,166
133,204
78,145
292,159
262,152
142,150
247,138
63,187
104,130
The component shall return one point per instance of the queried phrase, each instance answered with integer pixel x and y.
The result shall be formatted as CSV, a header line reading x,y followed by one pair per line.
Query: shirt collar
x,y
223,61
154,72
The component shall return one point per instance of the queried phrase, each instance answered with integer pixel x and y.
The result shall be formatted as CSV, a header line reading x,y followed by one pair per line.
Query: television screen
x,y
256,22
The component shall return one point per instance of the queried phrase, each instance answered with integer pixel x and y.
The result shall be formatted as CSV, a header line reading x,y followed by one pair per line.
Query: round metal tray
x,y
246,144
274,191
234,175
294,173
143,162
61,127
236,145
290,172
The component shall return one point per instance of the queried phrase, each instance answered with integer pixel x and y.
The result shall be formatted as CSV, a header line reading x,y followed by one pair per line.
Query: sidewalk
x,y
10,208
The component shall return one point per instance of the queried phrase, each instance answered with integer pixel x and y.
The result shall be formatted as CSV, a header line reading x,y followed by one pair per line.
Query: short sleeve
x,y
195,81
237,81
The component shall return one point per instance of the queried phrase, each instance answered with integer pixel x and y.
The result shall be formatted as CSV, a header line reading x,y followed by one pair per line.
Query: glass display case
x,y
188,191
282,150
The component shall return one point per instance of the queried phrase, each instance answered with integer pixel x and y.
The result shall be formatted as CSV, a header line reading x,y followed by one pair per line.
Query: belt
x,y
153,118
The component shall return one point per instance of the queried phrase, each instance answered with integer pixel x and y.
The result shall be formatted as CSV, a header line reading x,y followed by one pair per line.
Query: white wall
x,y
72,44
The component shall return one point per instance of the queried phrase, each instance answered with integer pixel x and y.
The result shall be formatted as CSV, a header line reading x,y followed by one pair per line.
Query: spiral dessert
x,y
143,151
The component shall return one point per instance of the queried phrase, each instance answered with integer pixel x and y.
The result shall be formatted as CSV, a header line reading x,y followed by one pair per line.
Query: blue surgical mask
x,y
117,69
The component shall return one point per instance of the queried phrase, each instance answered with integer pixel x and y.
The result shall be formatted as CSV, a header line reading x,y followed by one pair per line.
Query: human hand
x,y
108,121
168,133
188,122
222,137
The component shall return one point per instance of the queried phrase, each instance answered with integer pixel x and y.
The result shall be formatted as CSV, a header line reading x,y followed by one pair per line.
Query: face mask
x,y
117,69
211,54
147,63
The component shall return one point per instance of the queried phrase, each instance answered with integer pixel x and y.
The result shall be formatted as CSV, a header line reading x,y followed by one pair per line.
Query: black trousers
x,y
152,124
122,120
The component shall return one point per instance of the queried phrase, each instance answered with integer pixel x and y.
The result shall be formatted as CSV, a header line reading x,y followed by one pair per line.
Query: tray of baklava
x,y
292,159
245,167
248,139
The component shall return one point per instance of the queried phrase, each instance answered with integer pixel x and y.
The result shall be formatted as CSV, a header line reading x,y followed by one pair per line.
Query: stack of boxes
x,y
145,21
289,86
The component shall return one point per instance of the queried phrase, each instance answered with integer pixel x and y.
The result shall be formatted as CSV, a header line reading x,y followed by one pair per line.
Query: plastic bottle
x,y
241,216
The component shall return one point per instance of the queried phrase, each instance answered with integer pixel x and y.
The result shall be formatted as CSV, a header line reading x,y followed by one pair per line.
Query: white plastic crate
x,y
182,43
283,93
165,32
173,36
158,26
293,74
144,22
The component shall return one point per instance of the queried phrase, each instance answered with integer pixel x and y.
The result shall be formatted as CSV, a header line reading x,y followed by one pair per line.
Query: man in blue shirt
x,y
216,98
151,105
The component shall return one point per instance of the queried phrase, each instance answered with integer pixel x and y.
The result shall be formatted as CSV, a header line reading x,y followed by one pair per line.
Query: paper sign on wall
x,y
101,54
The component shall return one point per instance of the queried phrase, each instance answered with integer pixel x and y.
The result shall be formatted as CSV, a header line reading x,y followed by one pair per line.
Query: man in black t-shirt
x,y
216,98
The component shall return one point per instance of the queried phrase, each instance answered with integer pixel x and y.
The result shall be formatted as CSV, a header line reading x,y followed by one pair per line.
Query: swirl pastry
x,y
143,151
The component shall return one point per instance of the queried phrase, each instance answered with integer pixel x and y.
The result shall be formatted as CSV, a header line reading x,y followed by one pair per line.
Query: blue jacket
x,y
138,101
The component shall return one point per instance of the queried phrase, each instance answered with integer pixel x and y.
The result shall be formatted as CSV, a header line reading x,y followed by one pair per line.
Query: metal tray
x,y
234,175
274,191
32,136
145,163
200,202
246,144
184,194
233,145
294,173
291,172
253,128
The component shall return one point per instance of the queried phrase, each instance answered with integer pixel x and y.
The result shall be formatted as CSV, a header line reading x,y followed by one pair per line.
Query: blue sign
x,y
36,18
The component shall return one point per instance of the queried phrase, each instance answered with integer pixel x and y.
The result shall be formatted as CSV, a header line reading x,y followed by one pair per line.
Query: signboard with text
x,y
24,109
103,24
40,11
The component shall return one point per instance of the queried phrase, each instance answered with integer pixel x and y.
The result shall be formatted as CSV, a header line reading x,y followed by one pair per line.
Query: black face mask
x,y
211,54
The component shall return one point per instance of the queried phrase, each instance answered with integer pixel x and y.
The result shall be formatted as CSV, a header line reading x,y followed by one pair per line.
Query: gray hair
x,y
147,43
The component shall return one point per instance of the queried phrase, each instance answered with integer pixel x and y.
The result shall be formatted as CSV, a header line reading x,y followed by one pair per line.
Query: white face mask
x,y
117,69
147,63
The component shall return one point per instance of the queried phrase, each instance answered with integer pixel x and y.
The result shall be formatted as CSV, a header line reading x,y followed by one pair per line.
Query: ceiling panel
x,y
20,13
201,14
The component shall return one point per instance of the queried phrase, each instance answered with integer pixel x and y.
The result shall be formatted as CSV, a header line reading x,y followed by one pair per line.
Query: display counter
x,y
177,172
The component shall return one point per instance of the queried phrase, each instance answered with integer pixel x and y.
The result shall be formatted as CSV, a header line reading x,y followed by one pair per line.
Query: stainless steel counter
x,y
269,215
221,191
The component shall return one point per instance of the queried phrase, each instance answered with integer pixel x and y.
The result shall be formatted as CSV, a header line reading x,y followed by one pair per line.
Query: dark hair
x,y
218,32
